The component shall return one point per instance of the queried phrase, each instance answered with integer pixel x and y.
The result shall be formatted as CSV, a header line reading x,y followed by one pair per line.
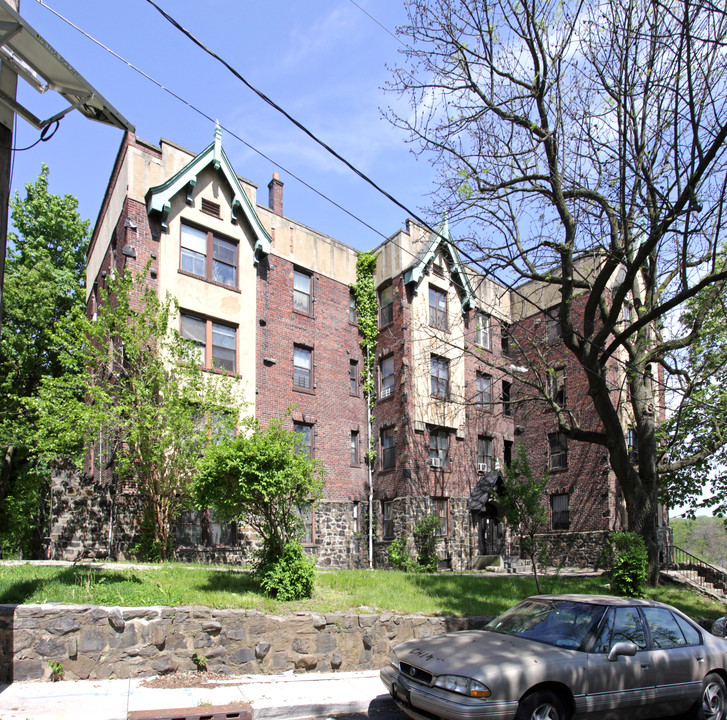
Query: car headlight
x,y
463,685
393,659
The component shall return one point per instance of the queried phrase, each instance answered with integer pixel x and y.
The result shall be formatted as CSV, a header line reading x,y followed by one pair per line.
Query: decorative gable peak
x,y
158,199
441,254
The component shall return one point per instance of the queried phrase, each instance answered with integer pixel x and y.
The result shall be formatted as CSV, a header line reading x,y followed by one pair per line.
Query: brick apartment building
x,y
270,299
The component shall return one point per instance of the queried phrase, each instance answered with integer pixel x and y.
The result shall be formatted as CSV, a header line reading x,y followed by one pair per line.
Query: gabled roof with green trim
x,y
158,199
442,239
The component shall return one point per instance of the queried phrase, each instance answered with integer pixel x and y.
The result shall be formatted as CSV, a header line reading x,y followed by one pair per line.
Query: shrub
x,y
425,540
399,556
290,576
629,563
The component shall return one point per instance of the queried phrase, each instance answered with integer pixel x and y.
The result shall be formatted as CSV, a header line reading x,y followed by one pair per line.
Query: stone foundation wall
x,y
575,549
99,642
456,550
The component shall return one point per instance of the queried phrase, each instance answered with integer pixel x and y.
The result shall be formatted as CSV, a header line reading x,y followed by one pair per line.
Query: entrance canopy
x,y
486,487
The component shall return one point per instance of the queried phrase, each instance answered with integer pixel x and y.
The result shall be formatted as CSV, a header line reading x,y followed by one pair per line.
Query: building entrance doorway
x,y
491,533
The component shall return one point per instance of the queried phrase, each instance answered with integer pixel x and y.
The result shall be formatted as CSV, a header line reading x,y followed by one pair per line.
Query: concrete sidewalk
x,y
267,696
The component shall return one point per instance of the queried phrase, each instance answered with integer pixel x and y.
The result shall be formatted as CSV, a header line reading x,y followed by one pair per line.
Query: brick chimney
x,y
275,195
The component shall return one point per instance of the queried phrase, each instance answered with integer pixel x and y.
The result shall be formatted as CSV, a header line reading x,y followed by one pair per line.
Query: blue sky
x,y
324,61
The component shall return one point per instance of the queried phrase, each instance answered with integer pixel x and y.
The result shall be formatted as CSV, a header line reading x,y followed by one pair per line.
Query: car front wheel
x,y
713,702
542,705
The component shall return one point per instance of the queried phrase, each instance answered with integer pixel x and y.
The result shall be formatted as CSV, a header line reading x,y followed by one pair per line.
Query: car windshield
x,y
562,623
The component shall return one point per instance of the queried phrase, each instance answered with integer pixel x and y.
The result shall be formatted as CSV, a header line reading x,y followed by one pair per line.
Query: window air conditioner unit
x,y
482,467
436,462
385,392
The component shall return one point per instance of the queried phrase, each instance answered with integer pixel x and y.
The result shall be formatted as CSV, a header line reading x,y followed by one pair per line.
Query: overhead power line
x,y
315,138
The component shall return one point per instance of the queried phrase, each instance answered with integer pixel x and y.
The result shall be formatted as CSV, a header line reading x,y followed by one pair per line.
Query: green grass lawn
x,y
359,591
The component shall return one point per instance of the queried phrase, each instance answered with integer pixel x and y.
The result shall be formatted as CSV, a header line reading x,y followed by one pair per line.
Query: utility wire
x,y
352,167
212,120
362,175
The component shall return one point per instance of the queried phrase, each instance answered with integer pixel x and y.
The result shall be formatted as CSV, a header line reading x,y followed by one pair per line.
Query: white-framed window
x,y
386,377
439,376
302,367
302,300
483,324
353,377
355,461
555,381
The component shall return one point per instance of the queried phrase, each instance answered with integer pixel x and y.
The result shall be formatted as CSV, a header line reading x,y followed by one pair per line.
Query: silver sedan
x,y
552,657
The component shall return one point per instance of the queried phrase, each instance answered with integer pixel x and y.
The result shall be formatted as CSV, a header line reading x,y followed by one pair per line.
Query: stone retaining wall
x,y
101,642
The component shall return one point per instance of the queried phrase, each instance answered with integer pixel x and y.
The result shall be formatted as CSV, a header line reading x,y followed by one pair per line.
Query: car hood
x,y
480,653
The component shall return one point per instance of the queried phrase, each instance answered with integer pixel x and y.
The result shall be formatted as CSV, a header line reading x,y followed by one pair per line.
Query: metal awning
x,y
32,58
486,487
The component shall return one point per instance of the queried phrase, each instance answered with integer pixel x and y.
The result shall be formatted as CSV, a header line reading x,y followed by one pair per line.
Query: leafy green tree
x,y
44,285
425,533
140,400
264,477
694,437
522,504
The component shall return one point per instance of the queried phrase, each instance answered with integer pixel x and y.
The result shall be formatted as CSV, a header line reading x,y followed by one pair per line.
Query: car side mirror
x,y
719,627
622,648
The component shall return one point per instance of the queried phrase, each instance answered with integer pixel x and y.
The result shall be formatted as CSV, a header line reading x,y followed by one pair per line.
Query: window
x,y
353,377
482,330
388,512
386,377
505,338
558,450
439,375
352,312
438,448
437,308
302,366
506,398
307,517
386,303
208,256
622,624
560,507
632,443
354,448
484,391
305,437
216,343
663,628
555,382
441,510
507,453
357,517
552,324
388,457
302,292
485,458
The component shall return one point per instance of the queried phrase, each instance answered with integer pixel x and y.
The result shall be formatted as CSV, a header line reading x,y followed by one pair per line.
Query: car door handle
x,y
645,666
700,659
